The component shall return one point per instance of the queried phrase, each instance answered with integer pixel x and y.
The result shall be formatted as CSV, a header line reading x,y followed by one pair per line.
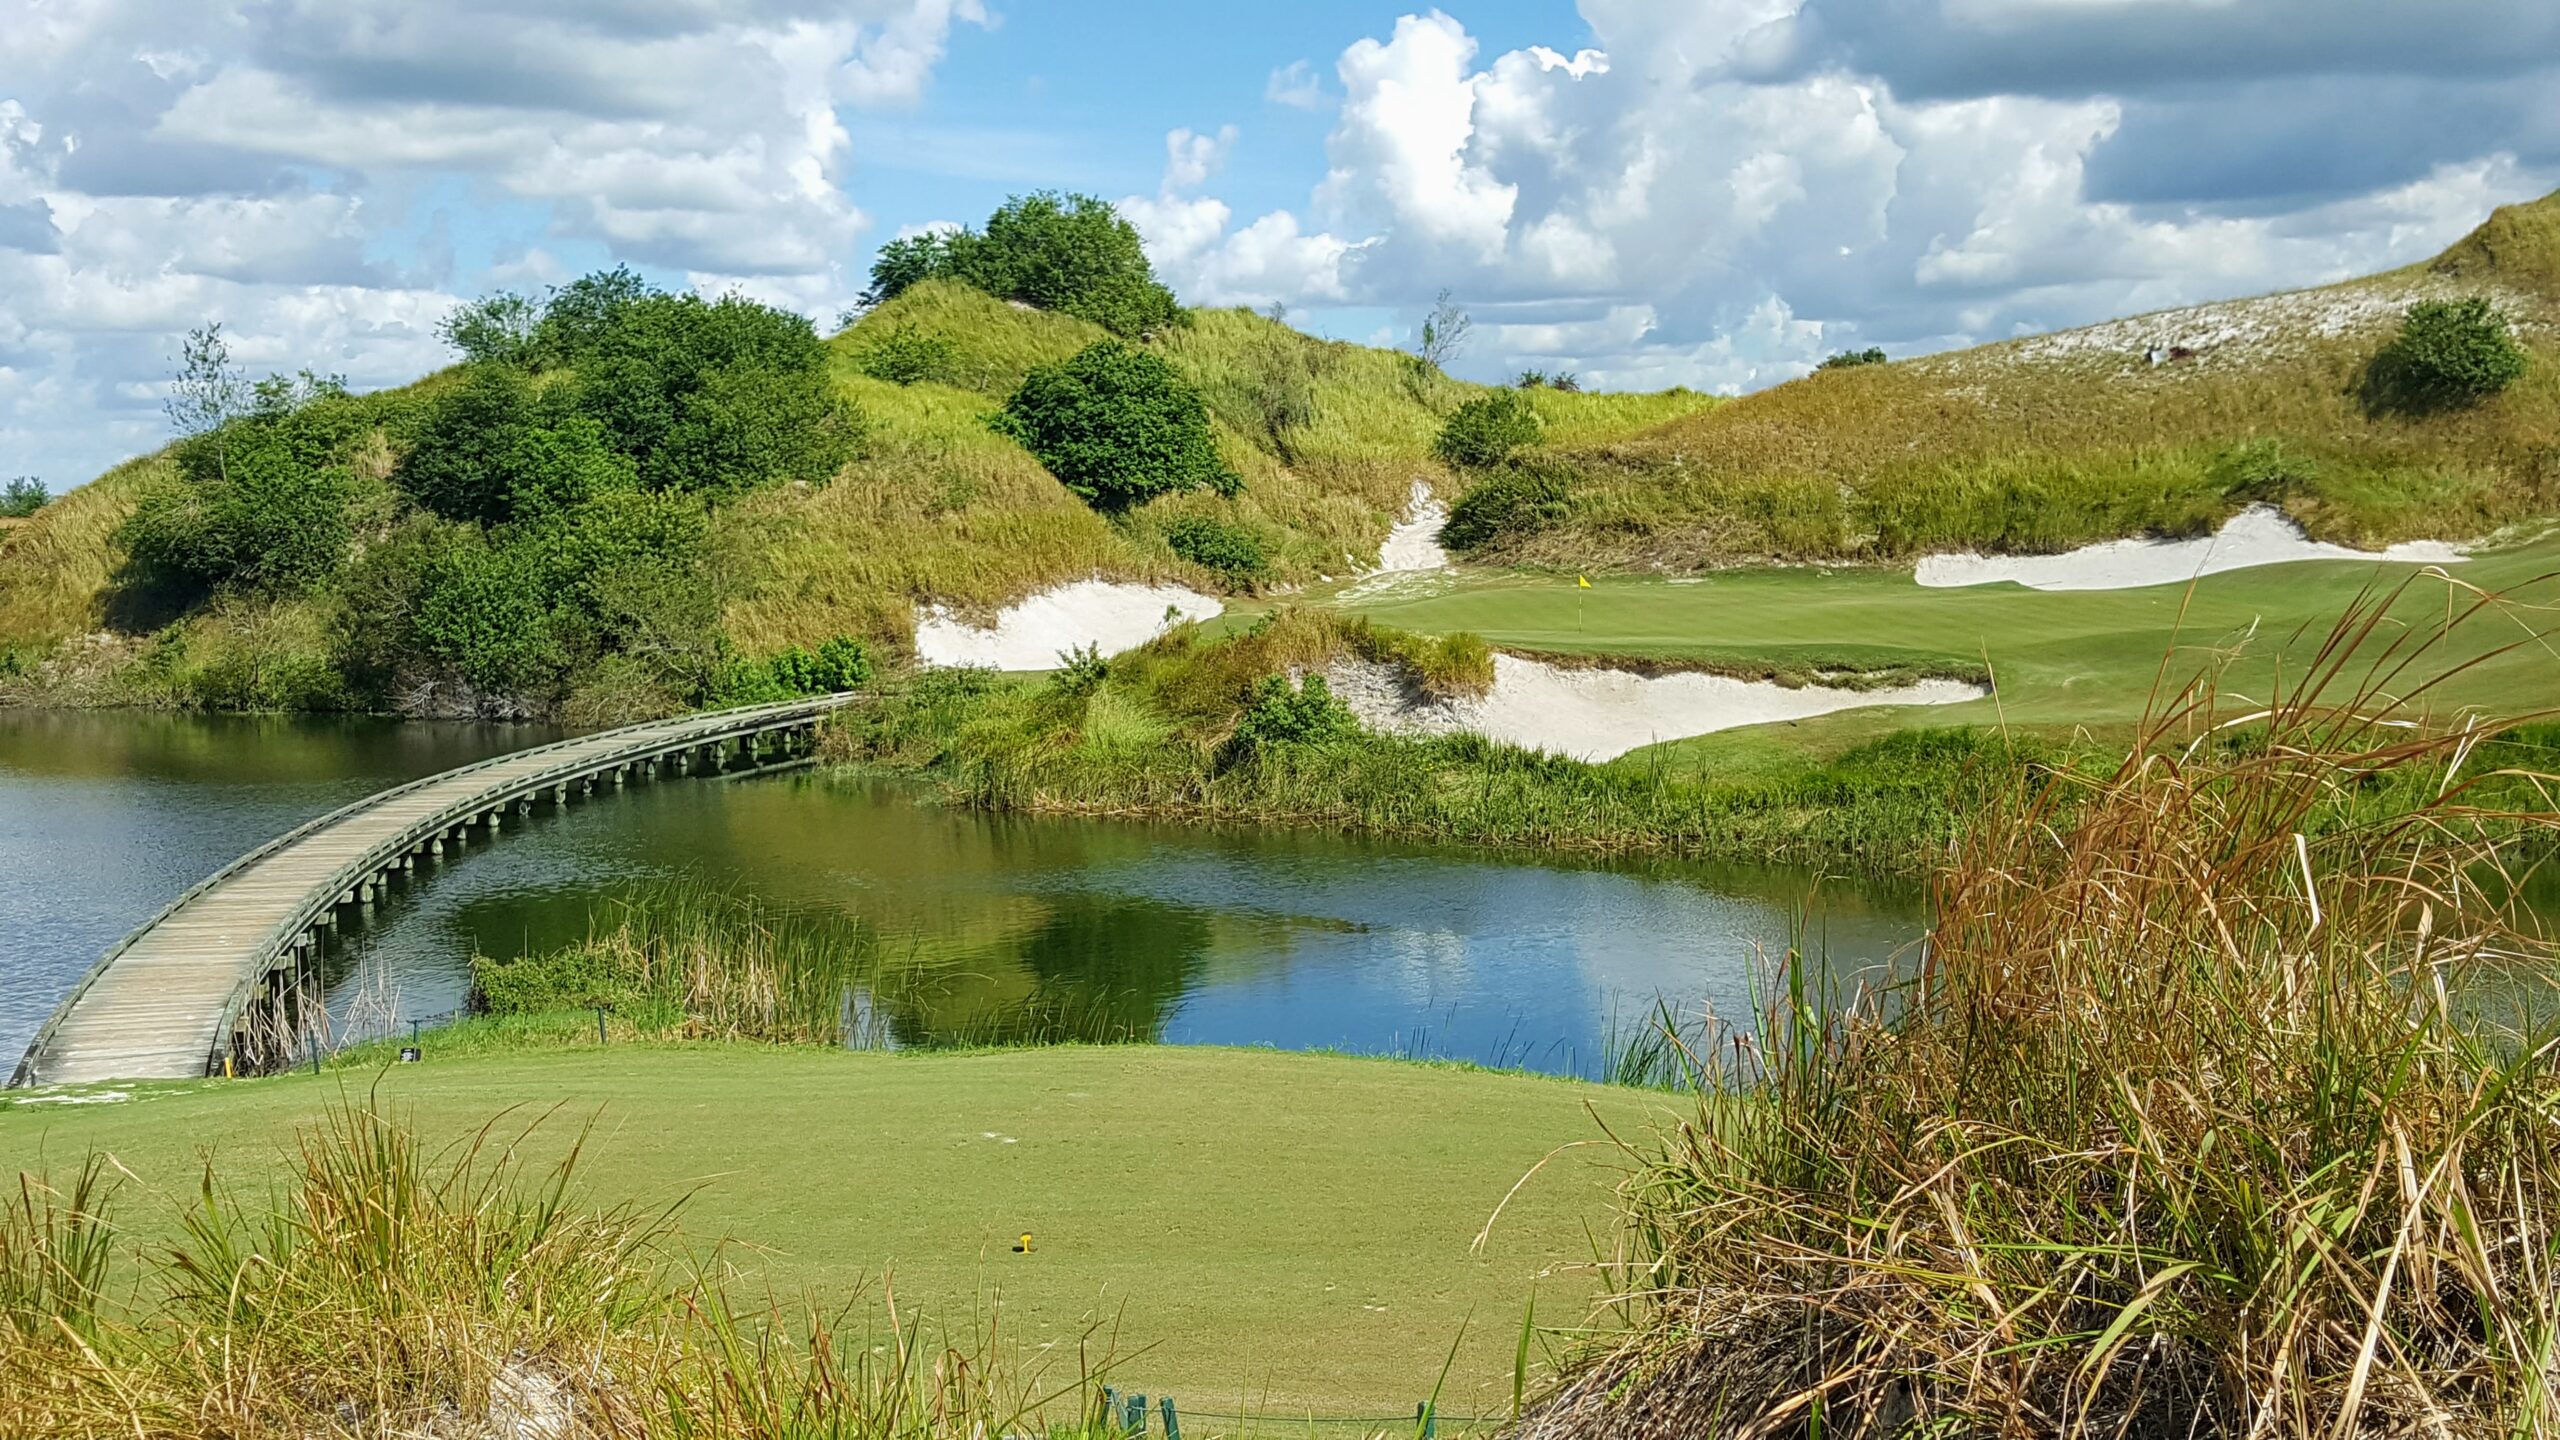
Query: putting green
x,y
2064,660
1273,1233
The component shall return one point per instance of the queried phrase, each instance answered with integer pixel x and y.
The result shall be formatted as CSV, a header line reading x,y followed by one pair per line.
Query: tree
x,y
1850,359
23,496
1117,426
1069,253
207,394
906,261
272,524
495,328
1485,430
1444,332
480,611
2448,353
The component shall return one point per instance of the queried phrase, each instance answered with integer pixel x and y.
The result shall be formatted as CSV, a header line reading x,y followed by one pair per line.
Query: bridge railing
x,y
661,738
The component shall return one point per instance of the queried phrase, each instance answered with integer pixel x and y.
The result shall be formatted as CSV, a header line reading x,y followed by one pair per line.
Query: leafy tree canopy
x,y
1070,253
1117,426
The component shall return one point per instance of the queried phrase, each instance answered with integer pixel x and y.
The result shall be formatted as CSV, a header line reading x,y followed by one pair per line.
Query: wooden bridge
x,y
216,980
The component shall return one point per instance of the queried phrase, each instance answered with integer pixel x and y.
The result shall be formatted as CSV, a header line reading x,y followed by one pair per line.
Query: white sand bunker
x,y
1412,552
1032,635
1414,543
1602,714
2259,535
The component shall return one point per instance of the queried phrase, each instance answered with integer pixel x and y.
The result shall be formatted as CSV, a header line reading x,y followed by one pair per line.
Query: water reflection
x,y
993,927
105,816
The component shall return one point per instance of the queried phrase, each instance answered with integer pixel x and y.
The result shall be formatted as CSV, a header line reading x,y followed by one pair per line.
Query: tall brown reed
x,y
2193,1122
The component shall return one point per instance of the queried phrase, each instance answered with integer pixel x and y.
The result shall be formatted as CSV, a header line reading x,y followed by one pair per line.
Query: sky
x,y
1712,193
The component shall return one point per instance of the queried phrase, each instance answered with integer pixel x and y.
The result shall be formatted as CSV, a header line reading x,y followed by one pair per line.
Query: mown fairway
x,y
2064,660
1272,1233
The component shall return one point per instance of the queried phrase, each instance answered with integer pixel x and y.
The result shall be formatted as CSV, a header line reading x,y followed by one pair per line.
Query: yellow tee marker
x,y
1024,1248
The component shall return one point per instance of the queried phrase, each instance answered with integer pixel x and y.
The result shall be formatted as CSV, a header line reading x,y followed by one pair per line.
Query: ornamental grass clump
x,y
2196,1119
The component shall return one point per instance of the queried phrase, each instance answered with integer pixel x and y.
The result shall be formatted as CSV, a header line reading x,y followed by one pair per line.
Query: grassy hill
x,y
944,509
935,508
2052,441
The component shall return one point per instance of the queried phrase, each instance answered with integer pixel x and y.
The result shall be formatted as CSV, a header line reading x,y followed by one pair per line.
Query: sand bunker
x,y
1414,543
1412,559
2259,535
1033,634
1602,714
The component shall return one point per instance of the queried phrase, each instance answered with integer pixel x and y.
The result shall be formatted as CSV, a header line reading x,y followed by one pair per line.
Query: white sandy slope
x,y
1602,714
1414,542
1033,634
2259,535
1411,560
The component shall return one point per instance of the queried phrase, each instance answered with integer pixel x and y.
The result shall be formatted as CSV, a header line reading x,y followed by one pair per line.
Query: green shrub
x,y
840,664
480,611
1232,551
1850,359
1117,425
1517,499
2448,353
1082,670
264,523
1306,714
713,396
719,396
23,496
1070,253
497,328
905,355
1484,431
578,977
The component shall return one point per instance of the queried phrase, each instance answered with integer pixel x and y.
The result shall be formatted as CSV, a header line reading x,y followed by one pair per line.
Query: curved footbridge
x,y
215,980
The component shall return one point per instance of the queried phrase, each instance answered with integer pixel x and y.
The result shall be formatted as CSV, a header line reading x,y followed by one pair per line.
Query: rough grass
x,y
2202,1119
397,1285
1252,1257
54,568
1156,737
2055,441
942,510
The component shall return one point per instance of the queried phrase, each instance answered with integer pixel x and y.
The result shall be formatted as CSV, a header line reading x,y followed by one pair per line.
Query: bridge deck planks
x,y
158,1009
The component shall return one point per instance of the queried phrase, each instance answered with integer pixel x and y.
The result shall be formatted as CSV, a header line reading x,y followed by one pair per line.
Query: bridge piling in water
x,y
229,975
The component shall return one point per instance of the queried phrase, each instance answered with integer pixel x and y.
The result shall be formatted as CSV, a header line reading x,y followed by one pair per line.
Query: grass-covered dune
x,y
628,610
1329,439
1268,1233
2161,423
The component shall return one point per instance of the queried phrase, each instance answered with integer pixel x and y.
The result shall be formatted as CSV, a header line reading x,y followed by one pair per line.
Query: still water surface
x,y
1234,937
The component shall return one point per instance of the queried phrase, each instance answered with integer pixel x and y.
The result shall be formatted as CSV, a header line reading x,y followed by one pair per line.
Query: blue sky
x,y
1713,193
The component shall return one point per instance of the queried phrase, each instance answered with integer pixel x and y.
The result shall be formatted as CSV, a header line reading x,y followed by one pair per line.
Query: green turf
x,y
1277,1232
2063,659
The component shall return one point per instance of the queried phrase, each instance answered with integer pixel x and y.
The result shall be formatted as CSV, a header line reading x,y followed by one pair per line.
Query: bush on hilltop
x,y
1069,253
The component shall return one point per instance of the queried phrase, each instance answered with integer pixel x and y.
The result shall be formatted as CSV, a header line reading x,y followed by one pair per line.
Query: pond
x,y
1186,935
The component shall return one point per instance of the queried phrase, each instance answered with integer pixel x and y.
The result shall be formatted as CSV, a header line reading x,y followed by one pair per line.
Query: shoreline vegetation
x,y
2220,1107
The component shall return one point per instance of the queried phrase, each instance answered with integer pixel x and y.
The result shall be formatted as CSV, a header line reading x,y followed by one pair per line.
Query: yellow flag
x,y
1582,580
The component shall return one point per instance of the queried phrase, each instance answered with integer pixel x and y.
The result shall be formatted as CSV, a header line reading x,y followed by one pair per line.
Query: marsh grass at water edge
x,y
2182,1129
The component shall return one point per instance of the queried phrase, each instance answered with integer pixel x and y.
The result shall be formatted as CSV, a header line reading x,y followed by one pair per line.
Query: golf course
x,y
1946,895
1263,1236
